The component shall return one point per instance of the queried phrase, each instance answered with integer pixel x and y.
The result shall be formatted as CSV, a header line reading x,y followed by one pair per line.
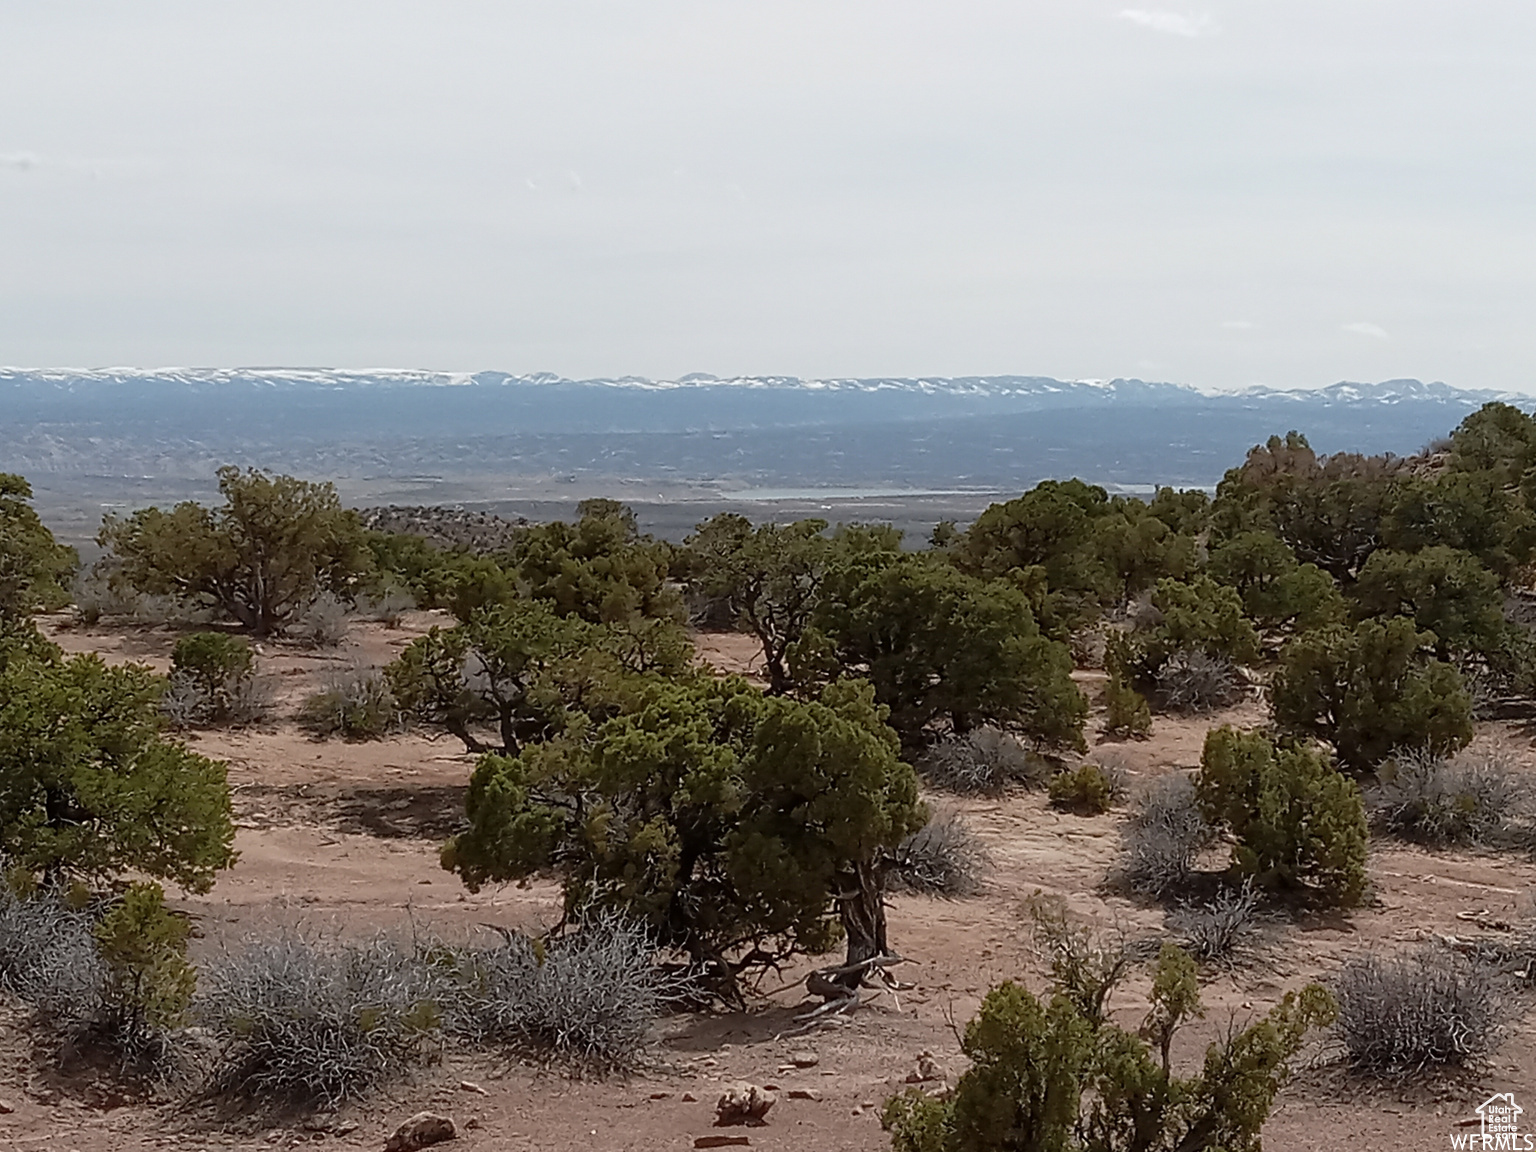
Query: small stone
x,y
743,1104
471,1086
421,1130
6,1107
719,1141
689,1098
927,1069
472,1122
866,1103
805,1059
661,1095
804,1094
345,1128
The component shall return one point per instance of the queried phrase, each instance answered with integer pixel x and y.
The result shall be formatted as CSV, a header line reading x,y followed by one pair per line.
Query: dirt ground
x,y
344,837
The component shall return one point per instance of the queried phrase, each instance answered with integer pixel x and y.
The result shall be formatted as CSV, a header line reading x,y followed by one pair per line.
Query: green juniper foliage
x,y
725,819
91,788
1046,1078
1295,820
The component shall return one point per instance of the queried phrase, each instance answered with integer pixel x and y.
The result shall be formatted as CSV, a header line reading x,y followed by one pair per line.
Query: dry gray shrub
x,y
185,703
942,858
304,1018
386,607
1431,799
48,958
1162,841
96,597
298,1017
323,624
983,761
1194,683
1407,1013
355,704
244,699
169,611
1485,687
1213,930
591,996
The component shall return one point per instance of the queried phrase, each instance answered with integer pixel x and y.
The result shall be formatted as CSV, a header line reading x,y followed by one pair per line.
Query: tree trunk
x,y
861,908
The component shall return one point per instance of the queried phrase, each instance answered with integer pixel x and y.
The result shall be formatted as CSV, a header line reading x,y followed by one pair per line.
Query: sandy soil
x,y
344,837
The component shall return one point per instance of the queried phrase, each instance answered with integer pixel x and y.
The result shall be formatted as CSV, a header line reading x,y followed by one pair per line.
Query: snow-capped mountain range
x,y
1086,391
101,432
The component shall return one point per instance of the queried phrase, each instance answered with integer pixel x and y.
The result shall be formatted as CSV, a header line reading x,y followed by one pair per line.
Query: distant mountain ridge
x,y
1120,388
989,433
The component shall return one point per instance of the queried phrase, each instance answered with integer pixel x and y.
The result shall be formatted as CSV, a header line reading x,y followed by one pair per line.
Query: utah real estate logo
x,y
1499,1118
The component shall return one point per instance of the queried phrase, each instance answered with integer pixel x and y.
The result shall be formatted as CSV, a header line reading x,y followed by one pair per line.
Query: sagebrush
x,y
1198,682
355,704
298,1016
942,858
1213,930
984,761
1414,1011
1162,841
1467,798
592,995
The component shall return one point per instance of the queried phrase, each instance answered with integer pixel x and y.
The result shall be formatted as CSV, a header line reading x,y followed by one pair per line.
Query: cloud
x,y
1180,24
21,161
1238,325
1361,328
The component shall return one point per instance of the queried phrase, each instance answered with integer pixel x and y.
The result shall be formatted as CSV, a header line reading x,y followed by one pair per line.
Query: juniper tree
x,y
261,557
739,827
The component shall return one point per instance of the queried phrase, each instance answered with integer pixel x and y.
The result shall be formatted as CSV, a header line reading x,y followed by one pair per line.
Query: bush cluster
x,y
1296,821
1046,1075
1416,1010
110,973
942,858
983,761
1196,683
213,681
315,1019
1433,799
355,704
321,1019
1089,789
1164,837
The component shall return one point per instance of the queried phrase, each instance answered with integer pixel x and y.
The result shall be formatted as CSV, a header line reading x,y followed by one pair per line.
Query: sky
x,y
1280,192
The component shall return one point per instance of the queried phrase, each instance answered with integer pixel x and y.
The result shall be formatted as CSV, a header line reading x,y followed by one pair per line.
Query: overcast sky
x,y
1288,192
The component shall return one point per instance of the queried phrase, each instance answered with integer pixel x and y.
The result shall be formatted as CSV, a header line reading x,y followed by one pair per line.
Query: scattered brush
x,y
1085,965
48,957
308,1019
1213,930
942,858
323,624
1163,840
319,1020
1466,799
1195,683
983,761
1406,1014
355,704
591,996
386,607
1090,789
